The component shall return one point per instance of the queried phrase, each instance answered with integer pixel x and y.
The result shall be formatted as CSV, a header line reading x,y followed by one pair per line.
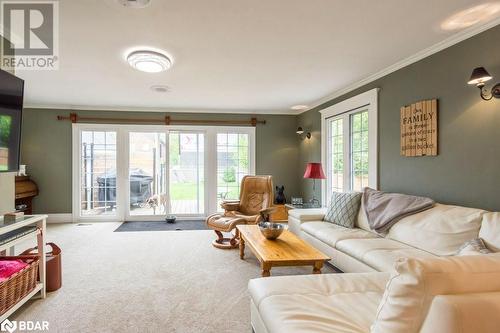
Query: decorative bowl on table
x,y
271,230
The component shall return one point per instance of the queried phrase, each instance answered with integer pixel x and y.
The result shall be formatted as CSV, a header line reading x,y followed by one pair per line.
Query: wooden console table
x,y
40,222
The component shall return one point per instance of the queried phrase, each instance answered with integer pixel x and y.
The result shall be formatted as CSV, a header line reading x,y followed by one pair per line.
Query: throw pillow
x,y
490,231
343,209
473,247
415,282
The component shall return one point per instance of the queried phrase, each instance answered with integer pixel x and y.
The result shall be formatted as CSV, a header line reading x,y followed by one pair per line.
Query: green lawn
x,y
184,191
188,191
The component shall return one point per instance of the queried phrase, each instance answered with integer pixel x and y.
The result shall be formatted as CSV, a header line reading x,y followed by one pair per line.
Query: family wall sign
x,y
419,130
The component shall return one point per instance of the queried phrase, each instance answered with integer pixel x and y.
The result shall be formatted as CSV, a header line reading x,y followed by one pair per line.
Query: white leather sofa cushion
x,y
415,282
379,253
318,303
313,214
440,230
358,248
490,231
384,260
339,259
330,233
466,313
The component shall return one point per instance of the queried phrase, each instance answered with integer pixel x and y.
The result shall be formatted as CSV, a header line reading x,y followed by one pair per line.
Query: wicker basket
x,y
19,284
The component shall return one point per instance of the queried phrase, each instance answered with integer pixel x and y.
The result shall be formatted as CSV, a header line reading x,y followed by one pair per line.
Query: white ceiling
x,y
232,55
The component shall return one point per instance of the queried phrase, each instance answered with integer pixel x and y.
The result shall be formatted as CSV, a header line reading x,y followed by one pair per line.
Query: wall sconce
x,y
300,131
478,77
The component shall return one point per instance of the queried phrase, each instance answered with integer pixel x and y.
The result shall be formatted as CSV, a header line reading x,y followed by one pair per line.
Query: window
x,y
98,190
359,150
336,167
233,162
187,172
349,144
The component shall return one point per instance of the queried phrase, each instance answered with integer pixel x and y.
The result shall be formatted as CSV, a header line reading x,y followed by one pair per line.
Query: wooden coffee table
x,y
287,250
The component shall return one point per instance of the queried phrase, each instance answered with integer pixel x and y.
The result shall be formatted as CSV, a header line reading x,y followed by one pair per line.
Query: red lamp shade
x,y
314,171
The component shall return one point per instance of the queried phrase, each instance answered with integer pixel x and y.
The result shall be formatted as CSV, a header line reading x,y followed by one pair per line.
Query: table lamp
x,y
314,171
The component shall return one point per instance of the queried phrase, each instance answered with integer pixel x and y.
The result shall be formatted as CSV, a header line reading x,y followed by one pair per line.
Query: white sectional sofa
x,y
351,302
439,231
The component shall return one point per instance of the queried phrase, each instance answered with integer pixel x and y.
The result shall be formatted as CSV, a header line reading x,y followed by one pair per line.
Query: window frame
x,y
122,158
366,101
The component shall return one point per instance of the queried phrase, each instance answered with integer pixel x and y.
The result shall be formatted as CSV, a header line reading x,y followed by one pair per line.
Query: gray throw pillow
x,y
343,209
473,247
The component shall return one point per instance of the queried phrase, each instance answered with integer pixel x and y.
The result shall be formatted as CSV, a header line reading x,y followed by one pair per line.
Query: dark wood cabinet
x,y
26,190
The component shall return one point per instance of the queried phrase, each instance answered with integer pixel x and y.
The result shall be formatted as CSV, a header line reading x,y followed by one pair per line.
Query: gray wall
x,y
7,192
466,172
46,149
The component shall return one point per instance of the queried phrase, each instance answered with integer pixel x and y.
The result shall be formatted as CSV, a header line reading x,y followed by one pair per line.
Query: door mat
x,y
179,225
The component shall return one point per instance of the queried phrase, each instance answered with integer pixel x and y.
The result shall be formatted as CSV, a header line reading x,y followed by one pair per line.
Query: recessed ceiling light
x,y
149,61
134,3
160,88
471,16
300,107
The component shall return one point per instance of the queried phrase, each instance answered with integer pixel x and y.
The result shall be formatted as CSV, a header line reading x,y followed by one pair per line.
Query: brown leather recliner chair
x,y
256,198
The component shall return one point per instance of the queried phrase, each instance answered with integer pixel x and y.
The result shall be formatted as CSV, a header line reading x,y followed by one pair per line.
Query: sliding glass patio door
x,y
147,168
187,173
142,173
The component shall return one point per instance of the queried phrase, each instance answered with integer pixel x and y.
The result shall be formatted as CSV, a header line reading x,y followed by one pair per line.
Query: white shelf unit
x,y
40,221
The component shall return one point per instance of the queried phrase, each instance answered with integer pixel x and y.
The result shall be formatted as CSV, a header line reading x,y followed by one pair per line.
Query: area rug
x,y
179,225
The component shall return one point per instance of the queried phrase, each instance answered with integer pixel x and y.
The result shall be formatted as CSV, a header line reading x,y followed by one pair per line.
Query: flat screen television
x,y
11,108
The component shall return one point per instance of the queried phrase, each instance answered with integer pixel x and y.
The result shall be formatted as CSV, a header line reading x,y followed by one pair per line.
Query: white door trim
x,y
76,182
122,159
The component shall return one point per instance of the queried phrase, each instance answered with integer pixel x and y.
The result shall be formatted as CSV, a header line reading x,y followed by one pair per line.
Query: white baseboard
x,y
60,218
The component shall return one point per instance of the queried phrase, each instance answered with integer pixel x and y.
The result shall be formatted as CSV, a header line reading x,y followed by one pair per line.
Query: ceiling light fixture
x,y
299,107
471,16
134,3
149,61
160,89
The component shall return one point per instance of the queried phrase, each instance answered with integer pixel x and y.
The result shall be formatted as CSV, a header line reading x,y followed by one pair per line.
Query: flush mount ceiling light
x,y
134,3
299,107
149,61
472,16
160,89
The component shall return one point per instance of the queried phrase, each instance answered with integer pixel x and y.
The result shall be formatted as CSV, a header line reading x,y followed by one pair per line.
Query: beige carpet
x,y
162,281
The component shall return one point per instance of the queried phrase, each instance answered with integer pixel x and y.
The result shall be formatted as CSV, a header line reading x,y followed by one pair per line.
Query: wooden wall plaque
x,y
419,129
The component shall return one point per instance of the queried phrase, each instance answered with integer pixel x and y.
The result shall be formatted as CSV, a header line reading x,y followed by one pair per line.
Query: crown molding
x,y
446,43
163,110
